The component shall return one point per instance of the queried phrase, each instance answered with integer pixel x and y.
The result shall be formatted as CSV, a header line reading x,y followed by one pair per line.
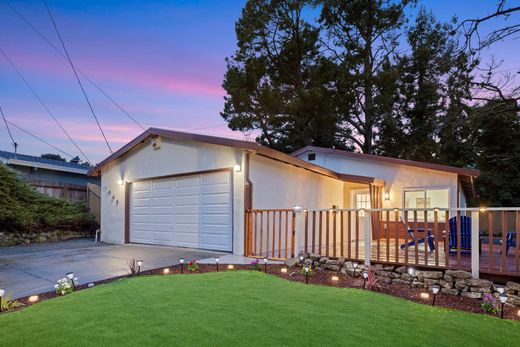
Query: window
x,y
311,156
362,201
426,198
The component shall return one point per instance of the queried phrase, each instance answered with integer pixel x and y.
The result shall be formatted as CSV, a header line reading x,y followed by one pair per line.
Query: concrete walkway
x,y
30,270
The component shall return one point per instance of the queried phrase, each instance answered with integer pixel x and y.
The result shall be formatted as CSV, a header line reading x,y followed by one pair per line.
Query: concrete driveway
x,y
30,270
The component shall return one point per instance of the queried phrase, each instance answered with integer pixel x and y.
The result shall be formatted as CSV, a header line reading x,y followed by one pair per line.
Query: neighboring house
x,y
181,189
51,177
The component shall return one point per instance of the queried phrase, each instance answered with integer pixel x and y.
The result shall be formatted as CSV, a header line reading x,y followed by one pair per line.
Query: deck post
x,y
475,253
368,237
297,234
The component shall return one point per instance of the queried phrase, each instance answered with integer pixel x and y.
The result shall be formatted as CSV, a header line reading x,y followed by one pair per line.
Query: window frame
x,y
425,189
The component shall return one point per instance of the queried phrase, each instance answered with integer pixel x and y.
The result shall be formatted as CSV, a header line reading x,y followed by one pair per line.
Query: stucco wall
x,y
279,185
173,157
396,177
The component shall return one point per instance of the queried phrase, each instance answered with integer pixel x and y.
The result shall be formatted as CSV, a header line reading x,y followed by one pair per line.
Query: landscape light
x,y
265,265
503,299
306,270
425,296
500,289
70,276
139,264
34,298
334,278
301,258
230,267
181,260
2,292
217,260
411,272
166,271
355,265
283,270
435,290
365,277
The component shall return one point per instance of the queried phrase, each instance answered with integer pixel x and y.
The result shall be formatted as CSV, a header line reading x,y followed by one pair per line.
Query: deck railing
x,y
472,239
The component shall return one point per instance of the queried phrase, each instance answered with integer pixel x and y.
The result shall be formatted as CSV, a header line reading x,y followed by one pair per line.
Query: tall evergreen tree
x,y
277,80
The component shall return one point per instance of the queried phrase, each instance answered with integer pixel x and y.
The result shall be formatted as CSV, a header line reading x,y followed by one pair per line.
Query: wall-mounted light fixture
x,y
387,196
121,182
237,167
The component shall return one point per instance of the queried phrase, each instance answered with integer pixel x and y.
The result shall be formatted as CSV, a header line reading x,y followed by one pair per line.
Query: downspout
x,y
248,200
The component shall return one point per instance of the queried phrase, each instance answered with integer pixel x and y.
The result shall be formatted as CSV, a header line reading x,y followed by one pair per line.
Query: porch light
x,y
181,260
121,182
237,168
387,196
500,289
425,296
217,260
230,267
306,269
166,271
34,298
503,299
265,265
435,290
283,270
365,277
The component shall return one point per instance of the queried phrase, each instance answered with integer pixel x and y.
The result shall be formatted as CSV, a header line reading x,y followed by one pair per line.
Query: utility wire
x,y
77,77
15,145
37,137
43,104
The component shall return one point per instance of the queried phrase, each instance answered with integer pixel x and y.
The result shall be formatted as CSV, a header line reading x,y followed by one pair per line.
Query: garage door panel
x,y
193,211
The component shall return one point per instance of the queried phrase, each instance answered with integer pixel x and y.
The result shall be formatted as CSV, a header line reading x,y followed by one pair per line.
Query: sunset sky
x,y
163,61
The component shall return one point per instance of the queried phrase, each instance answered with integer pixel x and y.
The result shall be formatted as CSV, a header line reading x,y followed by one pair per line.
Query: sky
x,y
162,61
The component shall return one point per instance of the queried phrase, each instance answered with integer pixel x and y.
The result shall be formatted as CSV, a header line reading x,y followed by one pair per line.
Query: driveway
x,y
30,270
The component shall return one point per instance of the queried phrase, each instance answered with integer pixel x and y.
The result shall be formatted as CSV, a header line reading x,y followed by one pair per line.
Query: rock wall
x,y
452,282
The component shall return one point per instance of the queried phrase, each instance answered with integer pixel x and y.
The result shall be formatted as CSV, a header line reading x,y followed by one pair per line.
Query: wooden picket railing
x,y
484,241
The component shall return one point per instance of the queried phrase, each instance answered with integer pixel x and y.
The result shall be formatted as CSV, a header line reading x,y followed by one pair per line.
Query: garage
x,y
187,211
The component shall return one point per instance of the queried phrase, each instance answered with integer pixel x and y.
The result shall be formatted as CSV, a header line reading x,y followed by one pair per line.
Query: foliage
x,y
133,268
53,157
489,304
372,280
255,265
23,209
309,273
193,266
8,303
65,285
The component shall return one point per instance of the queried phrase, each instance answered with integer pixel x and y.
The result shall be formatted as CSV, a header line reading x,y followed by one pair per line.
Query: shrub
x,y
133,267
65,286
9,304
309,273
372,280
193,266
255,265
489,304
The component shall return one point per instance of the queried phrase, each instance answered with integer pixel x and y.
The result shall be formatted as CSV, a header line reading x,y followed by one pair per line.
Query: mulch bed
x,y
320,277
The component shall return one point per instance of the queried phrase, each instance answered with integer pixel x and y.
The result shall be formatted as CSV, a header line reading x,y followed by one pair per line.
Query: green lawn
x,y
243,308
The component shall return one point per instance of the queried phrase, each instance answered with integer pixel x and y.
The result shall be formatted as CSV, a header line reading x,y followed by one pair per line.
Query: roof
x,y
466,176
11,158
249,146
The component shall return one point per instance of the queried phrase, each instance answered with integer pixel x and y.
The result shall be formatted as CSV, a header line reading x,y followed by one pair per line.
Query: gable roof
x,y
39,162
252,147
466,176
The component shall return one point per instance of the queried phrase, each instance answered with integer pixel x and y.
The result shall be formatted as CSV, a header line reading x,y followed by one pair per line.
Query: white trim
x,y
46,166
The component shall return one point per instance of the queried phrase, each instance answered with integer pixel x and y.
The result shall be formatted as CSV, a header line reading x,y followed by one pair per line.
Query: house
x,y
52,177
182,189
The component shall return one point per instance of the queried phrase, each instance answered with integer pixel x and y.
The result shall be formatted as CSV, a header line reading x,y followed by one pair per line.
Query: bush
x,y
8,303
255,265
489,304
65,286
193,266
24,210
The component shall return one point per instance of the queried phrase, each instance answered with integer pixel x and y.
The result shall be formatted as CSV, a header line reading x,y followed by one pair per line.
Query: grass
x,y
239,308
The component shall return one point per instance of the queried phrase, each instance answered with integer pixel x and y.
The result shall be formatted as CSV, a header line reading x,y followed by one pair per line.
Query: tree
x,y
363,38
52,157
277,79
75,160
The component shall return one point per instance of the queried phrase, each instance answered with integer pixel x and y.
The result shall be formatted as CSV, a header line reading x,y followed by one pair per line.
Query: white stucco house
x,y
189,190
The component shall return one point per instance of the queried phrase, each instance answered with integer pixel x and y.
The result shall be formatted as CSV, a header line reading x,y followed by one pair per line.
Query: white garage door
x,y
189,211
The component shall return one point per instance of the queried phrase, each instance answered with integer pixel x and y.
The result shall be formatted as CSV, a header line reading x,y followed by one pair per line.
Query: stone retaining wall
x,y
452,282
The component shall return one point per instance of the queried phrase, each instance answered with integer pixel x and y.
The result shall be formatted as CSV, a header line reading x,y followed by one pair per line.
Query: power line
x,y
77,77
38,138
42,103
15,145
22,17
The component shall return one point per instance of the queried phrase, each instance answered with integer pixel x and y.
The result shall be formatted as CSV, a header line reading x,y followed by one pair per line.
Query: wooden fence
x,y
475,240
71,192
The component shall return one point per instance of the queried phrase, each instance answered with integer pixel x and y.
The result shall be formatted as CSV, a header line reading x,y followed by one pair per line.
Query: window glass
x,y
426,198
